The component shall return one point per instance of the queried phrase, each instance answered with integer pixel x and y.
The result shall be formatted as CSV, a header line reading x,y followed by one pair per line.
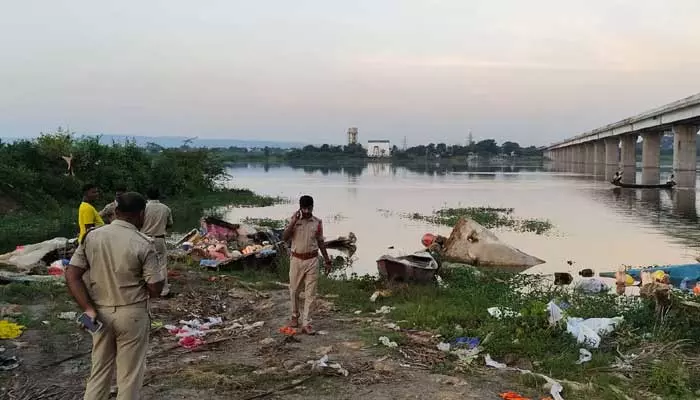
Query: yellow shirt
x,y
87,215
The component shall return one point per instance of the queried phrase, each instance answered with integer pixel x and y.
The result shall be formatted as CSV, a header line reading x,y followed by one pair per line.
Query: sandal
x,y
307,329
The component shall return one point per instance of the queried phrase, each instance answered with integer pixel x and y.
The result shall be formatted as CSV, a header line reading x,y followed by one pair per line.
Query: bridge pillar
x,y
599,158
628,157
590,157
684,155
612,150
651,157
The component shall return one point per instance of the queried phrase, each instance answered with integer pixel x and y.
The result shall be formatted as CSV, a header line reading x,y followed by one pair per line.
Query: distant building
x,y
378,148
352,136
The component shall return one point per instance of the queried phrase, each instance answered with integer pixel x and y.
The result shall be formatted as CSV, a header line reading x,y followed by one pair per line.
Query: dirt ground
x,y
254,362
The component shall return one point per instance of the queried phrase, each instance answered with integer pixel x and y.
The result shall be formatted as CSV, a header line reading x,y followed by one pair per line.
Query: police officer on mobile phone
x,y
124,271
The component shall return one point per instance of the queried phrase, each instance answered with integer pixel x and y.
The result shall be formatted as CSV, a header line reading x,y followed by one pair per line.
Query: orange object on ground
x,y
513,396
288,331
696,289
427,239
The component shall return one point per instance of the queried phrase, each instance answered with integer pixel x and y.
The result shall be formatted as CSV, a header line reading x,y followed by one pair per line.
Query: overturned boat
x,y
473,244
416,267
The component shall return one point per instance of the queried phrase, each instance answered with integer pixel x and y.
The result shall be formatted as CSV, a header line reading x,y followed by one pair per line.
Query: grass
x,y
489,217
266,222
460,310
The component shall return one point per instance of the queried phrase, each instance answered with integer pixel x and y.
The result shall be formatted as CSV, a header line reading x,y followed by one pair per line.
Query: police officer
x,y
124,271
157,219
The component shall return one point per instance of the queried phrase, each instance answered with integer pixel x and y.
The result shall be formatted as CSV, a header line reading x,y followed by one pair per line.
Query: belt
x,y
305,256
159,237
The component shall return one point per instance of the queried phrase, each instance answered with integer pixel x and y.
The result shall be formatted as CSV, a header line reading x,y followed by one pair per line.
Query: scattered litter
x,y
358,312
322,333
68,315
190,342
469,342
353,345
10,330
288,331
443,346
584,356
379,293
556,390
266,371
384,310
392,326
513,396
586,331
323,363
267,341
8,363
386,342
498,313
156,324
10,310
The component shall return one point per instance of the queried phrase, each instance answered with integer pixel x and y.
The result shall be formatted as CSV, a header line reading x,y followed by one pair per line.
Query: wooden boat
x,y
667,185
416,267
677,273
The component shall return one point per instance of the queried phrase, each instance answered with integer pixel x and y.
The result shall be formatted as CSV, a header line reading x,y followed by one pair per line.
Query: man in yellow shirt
x,y
88,217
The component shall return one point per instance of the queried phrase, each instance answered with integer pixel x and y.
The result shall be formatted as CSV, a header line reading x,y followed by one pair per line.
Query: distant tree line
x,y
487,147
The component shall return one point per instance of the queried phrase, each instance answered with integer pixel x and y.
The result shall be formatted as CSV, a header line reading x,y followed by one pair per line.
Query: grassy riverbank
x,y
648,356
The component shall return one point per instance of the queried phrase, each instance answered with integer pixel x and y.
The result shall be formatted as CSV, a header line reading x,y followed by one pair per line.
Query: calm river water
x,y
595,225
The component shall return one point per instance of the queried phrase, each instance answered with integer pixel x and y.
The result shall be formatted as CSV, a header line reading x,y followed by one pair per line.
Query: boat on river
x,y
416,267
667,185
676,273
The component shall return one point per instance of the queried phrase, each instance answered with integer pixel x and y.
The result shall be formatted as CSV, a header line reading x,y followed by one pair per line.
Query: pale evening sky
x,y
531,71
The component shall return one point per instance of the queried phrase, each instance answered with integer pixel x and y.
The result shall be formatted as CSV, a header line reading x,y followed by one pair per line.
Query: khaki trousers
x,y
303,271
121,344
162,250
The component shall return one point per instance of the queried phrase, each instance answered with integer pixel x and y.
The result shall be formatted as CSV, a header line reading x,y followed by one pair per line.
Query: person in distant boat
x,y
670,179
617,178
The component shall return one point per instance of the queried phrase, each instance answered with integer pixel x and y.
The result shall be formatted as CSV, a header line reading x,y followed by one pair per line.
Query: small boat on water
x,y
676,273
416,267
667,185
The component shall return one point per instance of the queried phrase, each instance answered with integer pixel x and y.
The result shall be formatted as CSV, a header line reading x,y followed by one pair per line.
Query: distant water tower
x,y
352,135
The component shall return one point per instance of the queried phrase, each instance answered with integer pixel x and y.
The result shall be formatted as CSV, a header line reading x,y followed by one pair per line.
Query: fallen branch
x,y
61,361
291,385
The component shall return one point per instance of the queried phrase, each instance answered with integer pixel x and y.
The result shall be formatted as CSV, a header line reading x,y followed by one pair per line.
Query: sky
x,y
534,71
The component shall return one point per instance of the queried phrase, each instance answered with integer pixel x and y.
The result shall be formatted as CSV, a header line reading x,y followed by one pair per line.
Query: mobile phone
x,y
89,324
299,214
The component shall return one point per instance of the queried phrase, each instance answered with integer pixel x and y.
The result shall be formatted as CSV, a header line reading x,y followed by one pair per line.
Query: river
x,y
595,225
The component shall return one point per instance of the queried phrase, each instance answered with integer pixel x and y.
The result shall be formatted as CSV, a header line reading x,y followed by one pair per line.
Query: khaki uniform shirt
x,y
157,218
307,232
108,212
120,261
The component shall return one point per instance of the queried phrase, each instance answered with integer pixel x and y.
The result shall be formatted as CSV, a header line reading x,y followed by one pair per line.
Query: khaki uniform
x,y
120,261
108,213
157,218
303,265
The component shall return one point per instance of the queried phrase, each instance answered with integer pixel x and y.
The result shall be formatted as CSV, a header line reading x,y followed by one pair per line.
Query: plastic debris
x,y
387,342
584,356
586,331
442,346
323,363
10,330
384,310
502,313
288,331
156,324
68,315
8,363
190,342
556,390
267,341
469,342
358,312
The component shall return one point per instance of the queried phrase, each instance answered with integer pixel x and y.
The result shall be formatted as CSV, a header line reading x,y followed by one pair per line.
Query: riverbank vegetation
x,y
39,194
489,217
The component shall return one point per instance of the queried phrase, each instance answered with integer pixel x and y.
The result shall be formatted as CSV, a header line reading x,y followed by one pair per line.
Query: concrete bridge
x,y
611,148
